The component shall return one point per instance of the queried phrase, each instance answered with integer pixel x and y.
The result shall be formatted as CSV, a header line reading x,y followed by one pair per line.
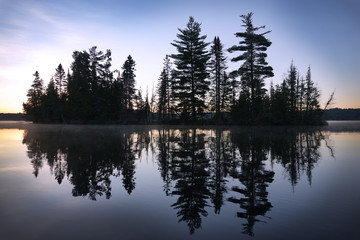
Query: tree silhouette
x,y
164,90
32,108
191,84
51,104
218,77
295,101
79,87
254,69
128,79
60,79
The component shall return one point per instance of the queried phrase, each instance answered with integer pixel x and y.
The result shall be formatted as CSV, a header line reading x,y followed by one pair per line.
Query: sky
x,y
39,35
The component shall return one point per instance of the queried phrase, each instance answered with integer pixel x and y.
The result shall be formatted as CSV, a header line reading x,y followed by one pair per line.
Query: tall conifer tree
x,y
128,80
254,69
32,108
191,84
164,90
60,79
292,84
217,67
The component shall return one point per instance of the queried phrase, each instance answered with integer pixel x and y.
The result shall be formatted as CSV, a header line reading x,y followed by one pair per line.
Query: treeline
x,y
194,81
11,117
342,114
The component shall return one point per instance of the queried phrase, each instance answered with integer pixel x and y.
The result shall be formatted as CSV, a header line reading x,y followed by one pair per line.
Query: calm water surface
x,y
124,182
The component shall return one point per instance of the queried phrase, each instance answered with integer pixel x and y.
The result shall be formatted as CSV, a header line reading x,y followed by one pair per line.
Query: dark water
x,y
109,182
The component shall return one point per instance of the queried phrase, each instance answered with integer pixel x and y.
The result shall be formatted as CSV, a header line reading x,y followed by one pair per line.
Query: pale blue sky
x,y
38,35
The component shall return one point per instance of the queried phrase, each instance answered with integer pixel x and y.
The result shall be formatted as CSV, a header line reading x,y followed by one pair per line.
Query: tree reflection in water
x,y
200,168
88,156
253,199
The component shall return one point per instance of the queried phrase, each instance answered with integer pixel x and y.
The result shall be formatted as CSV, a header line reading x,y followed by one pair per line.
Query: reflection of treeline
x,y
197,166
194,80
89,158
297,152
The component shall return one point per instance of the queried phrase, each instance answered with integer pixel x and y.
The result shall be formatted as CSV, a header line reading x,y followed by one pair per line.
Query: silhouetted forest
x,y
194,82
342,114
202,169
11,117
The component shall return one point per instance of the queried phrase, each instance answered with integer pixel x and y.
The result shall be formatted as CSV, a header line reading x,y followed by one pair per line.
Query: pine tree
x,y
152,104
139,101
191,60
254,69
301,100
164,90
60,79
312,105
117,98
217,67
100,81
234,89
50,103
292,84
162,96
226,92
128,80
79,88
32,108
147,107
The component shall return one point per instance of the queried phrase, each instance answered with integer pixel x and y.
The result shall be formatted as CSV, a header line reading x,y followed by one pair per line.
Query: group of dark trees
x,y
200,83
201,169
197,89
89,93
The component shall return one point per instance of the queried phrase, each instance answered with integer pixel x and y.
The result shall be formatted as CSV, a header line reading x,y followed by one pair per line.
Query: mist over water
x,y
179,182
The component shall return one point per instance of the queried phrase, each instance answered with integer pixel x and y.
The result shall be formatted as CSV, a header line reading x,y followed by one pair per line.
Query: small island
x,y
194,87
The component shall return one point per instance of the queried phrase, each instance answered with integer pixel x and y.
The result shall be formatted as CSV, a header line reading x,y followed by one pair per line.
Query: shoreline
x,y
337,126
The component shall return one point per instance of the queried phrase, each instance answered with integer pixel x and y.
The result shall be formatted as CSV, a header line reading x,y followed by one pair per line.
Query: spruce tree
x,y
128,82
79,88
117,98
164,90
162,96
226,92
32,108
292,84
60,79
100,81
191,84
50,103
254,69
217,67
312,105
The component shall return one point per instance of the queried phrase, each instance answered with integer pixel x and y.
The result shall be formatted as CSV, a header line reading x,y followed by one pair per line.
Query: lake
x,y
179,182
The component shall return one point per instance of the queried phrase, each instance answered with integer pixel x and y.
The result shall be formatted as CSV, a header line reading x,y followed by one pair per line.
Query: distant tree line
x,y
193,83
342,114
11,117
